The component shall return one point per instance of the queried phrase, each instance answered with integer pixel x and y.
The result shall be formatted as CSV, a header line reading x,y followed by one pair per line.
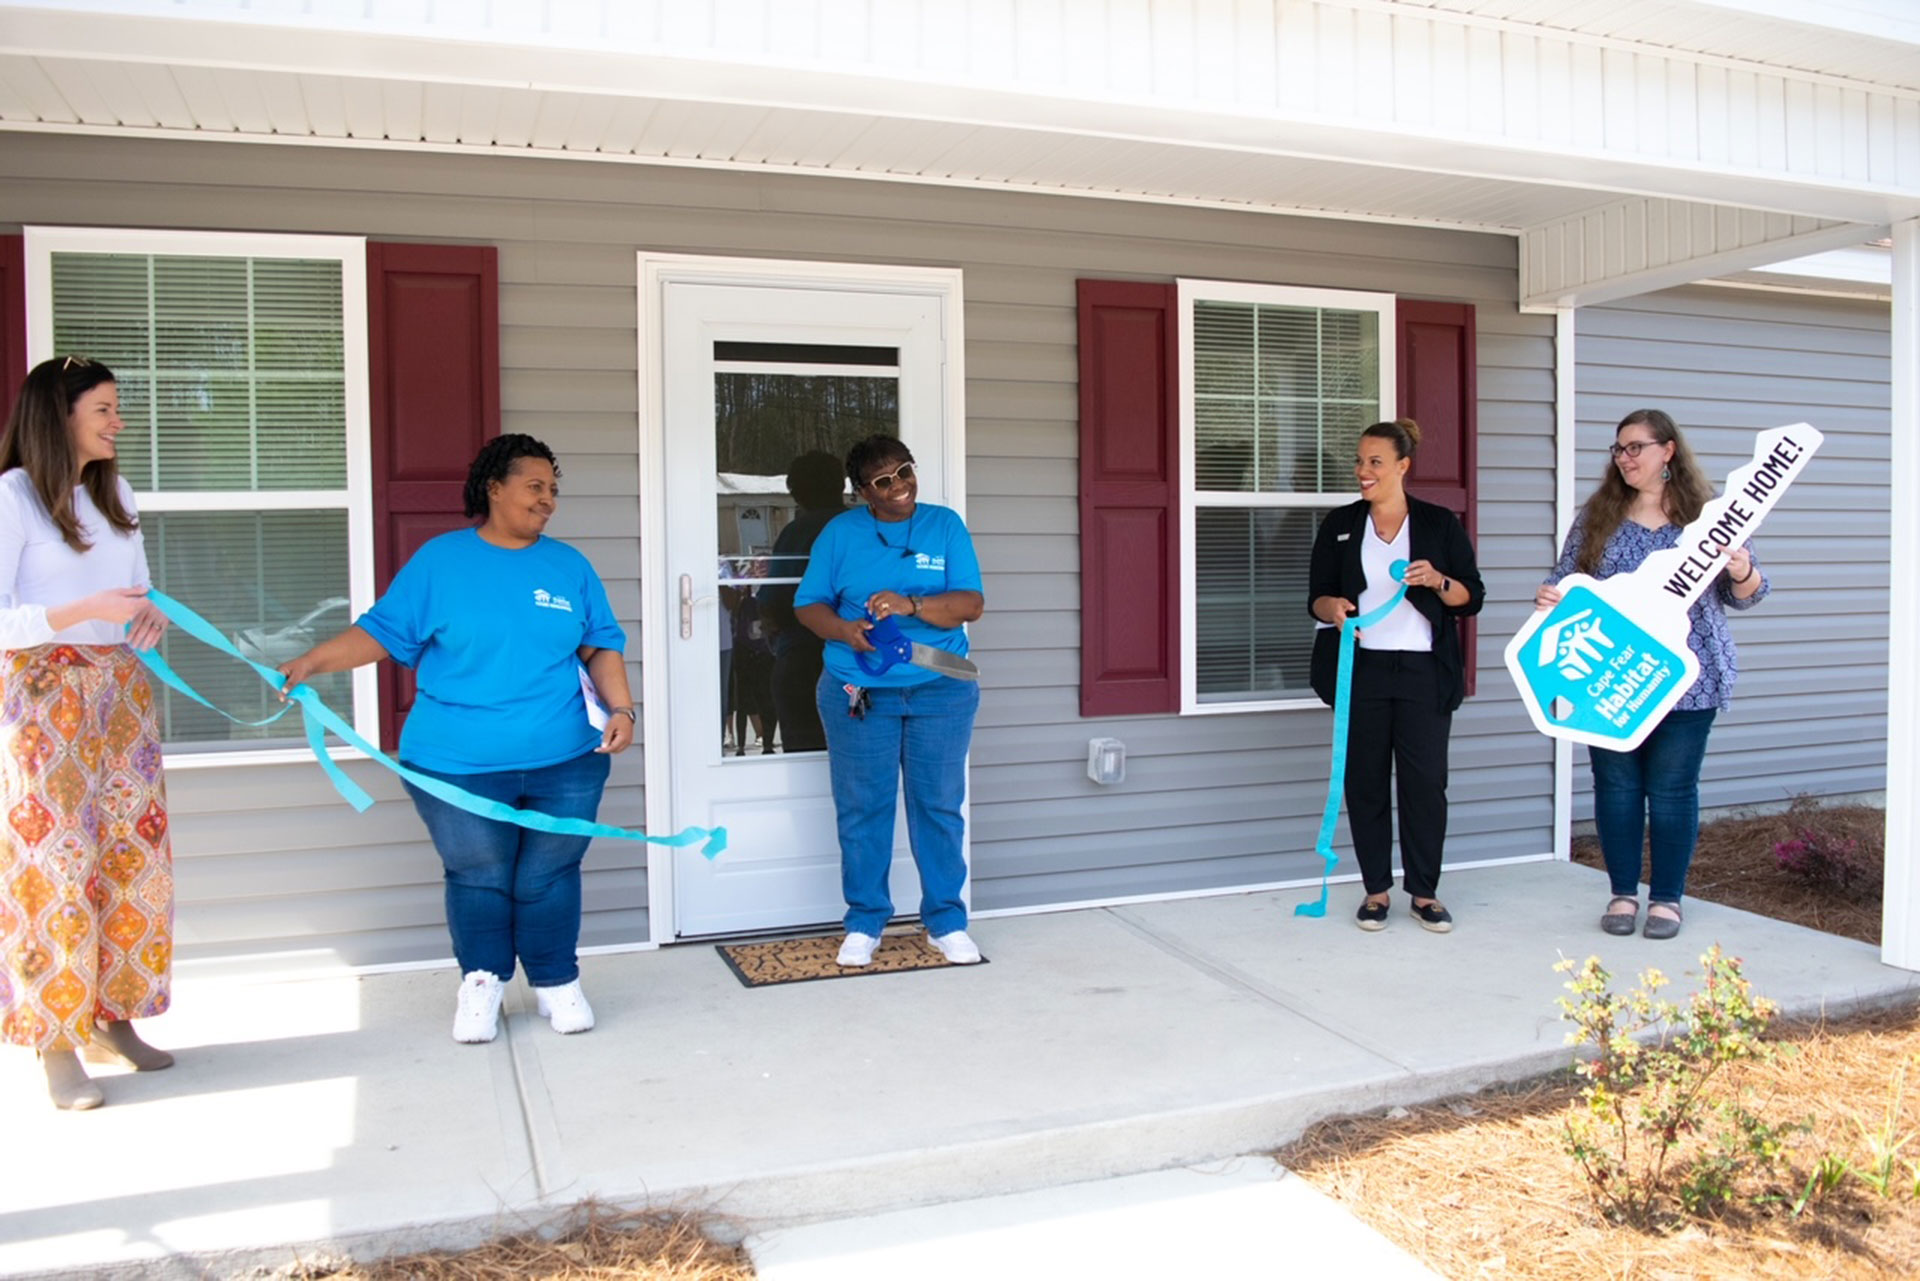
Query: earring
x,y
1666,473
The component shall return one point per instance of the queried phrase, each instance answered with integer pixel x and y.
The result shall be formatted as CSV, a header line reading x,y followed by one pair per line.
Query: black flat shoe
x,y
1371,916
1433,917
1662,927
1621,922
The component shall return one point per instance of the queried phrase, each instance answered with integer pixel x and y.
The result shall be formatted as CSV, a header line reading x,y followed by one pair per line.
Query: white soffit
x,y
1621,139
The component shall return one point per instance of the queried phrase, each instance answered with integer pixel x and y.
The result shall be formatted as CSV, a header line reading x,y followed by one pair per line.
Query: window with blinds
x,y
233,372
1281,383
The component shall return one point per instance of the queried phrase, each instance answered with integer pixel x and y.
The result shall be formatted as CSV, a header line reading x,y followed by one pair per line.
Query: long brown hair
x,y
1685,494
37,439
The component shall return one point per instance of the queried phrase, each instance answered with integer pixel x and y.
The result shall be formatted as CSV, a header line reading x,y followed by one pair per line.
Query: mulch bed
x,y
1734,864
591,1243
1481,1186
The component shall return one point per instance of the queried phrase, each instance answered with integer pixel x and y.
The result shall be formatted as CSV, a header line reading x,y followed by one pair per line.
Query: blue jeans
x,y
512,891
921,732
1657,786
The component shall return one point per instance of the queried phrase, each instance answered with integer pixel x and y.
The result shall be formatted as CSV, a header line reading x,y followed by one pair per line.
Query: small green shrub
x,y
1649,1089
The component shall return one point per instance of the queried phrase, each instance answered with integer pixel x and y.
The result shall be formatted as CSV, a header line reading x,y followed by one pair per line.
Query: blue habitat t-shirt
x,y
492,634
856,556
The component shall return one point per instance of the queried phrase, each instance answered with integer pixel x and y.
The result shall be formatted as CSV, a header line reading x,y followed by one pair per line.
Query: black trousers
x,y
1396,733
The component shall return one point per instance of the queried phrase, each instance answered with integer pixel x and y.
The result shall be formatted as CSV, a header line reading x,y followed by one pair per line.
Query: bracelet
x,y
915,602
1737,581
627,712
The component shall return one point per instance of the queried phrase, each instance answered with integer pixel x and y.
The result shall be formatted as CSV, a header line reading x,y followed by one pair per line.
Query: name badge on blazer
x,y
1341,538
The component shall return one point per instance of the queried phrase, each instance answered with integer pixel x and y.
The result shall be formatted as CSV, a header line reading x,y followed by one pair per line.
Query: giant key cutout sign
x,y
1606,663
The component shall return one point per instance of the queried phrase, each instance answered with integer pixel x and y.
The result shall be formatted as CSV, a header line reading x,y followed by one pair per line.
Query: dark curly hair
x,y
495,462
874,449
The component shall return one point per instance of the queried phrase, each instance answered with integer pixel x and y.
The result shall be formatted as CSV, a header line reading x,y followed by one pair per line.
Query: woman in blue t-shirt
x,y
498,621
895,558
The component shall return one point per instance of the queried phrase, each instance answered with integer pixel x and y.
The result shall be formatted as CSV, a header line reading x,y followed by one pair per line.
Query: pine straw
x,y
592,1243
1733,863
1481,1186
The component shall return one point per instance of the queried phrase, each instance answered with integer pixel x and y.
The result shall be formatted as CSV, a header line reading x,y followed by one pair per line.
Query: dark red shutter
x,y
1436,365
1129,498
13,319
433,340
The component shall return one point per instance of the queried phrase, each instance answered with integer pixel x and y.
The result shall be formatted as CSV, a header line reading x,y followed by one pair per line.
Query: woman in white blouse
x,y
86,869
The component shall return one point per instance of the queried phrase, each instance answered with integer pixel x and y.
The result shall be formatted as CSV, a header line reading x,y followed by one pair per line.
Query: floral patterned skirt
x,y
86,870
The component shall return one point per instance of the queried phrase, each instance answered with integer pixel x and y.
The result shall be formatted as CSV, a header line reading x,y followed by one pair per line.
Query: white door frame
x,y
658,621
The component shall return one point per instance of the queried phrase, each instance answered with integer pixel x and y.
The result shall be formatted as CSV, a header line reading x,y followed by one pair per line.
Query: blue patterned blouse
x,y
1710,639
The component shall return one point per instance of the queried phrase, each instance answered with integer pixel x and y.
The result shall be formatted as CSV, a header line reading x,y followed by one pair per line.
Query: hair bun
x,y
1409,426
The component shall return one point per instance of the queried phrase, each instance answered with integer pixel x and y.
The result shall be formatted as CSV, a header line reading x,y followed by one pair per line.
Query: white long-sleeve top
x,y
39,570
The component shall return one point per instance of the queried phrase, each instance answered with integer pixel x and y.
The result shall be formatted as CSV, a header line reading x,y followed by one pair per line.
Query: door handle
x,y
686,607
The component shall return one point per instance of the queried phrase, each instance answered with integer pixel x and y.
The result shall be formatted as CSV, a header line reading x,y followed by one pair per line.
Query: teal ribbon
x,y
319,719
1337,774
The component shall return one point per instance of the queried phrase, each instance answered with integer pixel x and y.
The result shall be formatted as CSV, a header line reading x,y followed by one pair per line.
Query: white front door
x,y
757,381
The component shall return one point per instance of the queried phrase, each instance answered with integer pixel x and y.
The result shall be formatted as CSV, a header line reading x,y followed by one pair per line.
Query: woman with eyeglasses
x,y
912,562
86,867
1652,489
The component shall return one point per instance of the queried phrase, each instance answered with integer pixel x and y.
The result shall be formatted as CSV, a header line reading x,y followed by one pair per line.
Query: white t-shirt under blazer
x,y
38,569
1406,628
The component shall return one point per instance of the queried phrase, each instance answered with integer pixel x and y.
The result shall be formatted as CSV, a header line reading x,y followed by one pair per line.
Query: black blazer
x,y
1436,536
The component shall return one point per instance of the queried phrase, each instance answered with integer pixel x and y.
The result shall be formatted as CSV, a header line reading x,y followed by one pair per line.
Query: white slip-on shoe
x,y
476,1017
956,947
857,949
565,1007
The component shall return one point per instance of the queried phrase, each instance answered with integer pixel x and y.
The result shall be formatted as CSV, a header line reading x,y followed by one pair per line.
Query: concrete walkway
x,y
334,1111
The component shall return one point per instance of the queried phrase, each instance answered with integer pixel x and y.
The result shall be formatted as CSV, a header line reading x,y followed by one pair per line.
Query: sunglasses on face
x,y
901,475
1631,449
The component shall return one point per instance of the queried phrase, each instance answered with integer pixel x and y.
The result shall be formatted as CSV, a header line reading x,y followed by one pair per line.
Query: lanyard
x,y
1337,772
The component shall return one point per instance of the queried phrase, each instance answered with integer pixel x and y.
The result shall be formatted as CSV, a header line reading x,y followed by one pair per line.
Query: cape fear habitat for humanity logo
x,y
547,600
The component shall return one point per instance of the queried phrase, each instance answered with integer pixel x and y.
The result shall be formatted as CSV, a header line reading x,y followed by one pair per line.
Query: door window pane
x,y
781,437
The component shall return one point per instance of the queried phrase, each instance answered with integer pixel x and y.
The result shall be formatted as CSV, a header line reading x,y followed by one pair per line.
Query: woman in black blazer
x,y
1408,674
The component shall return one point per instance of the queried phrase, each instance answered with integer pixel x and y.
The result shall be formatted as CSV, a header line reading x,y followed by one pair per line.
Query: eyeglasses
x,y
901,475
71,361
1631,449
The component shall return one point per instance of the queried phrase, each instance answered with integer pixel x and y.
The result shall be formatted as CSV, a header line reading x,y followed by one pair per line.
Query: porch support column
x,y
1565,456
1900,920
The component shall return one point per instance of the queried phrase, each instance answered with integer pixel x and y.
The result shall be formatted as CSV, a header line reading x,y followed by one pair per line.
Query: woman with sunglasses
x,y
1653,488
912,562
86,868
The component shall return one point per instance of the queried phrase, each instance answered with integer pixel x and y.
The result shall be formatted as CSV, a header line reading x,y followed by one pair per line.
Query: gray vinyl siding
x,y
1809,713
269,860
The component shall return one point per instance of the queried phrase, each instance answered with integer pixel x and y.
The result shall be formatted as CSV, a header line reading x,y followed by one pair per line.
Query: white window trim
x,y
1191,499
351,252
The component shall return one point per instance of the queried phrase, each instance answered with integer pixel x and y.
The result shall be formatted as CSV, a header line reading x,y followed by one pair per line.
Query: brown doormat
x,y
804,960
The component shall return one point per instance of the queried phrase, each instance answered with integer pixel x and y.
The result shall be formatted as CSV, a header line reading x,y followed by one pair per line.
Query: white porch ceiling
x,y
1626,142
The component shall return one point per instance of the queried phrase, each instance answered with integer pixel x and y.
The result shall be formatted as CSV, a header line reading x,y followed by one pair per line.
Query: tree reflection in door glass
x,y
785,416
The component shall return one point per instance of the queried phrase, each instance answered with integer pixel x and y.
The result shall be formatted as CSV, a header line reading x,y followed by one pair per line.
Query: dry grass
x,y
593,1243
1481,1187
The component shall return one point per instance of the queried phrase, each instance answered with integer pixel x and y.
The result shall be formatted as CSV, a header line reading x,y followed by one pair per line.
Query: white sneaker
x,y
956,947
477,1016
565,1007
857,949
